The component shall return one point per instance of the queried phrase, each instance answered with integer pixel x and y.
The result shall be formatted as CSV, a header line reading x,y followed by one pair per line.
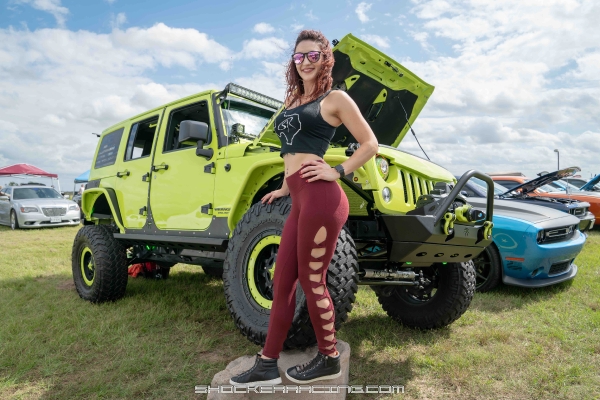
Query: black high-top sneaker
x,y
263,372
320,368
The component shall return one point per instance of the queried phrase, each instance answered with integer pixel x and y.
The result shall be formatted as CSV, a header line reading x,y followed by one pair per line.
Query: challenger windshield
x,y
238,111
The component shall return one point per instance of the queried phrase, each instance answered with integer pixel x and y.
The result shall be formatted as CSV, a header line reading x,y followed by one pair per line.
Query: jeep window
x,y
253,116
109,147
195,112
141,138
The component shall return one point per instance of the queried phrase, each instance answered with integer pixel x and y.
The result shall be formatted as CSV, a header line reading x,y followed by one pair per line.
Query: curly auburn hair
x,y
295,86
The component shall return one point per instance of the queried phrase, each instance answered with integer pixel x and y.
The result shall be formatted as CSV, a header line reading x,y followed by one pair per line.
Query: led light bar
x,y
252,95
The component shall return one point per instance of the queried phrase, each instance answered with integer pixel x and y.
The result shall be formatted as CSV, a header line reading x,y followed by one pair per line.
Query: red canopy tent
x,y
22,170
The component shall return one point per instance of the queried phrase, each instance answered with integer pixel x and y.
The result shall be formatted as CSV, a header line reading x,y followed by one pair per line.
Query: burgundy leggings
x,y
308,241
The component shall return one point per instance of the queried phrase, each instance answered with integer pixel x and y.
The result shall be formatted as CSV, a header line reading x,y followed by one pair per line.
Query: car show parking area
x,y
165,336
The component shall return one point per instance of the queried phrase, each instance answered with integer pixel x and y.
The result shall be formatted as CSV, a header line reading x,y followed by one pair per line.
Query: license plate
x,y
55,219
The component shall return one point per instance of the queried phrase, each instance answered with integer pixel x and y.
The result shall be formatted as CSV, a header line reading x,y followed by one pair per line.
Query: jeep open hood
x,y
589,186
381,87
533,184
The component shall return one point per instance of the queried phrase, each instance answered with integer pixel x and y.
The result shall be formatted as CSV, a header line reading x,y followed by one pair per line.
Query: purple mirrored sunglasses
x,y
313,57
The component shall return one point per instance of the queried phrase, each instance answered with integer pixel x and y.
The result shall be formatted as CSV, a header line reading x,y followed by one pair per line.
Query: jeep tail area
x,y
182,183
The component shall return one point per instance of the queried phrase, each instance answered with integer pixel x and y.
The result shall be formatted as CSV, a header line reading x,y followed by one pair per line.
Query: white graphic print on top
x,y
289,127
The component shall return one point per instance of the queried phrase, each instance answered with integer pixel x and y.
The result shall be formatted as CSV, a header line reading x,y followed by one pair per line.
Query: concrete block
x,y
287,359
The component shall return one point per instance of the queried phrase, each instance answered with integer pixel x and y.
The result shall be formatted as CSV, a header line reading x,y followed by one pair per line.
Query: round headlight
x,y
387,194
382,166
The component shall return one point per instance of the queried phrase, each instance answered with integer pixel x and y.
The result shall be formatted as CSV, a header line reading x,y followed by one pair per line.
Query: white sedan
x,y
36,206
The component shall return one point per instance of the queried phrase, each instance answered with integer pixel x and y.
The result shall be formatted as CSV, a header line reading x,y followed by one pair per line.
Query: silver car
x,y
36,206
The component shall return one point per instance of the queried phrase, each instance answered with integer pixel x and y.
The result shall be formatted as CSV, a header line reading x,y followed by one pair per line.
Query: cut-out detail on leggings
x,y
330,325
329,338
315,265
327,315
330,347
318,252
323,302
315,277
321,235
319,290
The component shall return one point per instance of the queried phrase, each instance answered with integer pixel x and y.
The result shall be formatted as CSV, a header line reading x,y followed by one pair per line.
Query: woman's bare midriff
x,y
293,161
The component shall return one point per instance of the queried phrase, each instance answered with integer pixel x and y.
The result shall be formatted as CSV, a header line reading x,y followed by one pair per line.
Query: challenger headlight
x,y
387,194
382,166
541,236
74,207
29,209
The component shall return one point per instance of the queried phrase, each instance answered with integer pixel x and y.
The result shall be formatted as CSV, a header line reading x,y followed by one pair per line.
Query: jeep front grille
x,y
54,211
559,268
414,186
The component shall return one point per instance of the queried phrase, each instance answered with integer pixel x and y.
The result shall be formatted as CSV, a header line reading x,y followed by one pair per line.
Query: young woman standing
x,y
306,126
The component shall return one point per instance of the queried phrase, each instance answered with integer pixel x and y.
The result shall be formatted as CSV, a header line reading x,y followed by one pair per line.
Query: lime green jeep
x,y
182,183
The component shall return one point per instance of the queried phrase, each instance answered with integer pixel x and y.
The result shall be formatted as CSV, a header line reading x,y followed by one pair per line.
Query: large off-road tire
x,y
438,304
248,269
488,269
99,264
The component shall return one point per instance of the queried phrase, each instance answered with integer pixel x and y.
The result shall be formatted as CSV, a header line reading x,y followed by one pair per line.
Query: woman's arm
x,y
350,116
342,108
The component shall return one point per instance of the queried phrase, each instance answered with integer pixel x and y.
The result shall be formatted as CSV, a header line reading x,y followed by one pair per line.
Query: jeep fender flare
x,y
261,173
92,196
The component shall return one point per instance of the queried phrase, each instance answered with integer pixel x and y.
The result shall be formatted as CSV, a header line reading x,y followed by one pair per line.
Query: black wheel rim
x,y
483,267
262,272
416,295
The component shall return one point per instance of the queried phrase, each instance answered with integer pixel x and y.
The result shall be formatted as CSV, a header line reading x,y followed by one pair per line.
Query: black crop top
x,y
303,130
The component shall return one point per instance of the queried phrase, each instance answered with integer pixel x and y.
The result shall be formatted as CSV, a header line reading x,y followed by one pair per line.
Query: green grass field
x,y
165,337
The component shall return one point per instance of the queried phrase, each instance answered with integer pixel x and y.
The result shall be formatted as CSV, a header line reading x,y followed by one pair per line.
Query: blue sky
x,y
514,79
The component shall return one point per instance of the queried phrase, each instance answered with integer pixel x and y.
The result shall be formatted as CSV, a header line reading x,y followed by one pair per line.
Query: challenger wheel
x,y
488,269
99,264
249,269
445,296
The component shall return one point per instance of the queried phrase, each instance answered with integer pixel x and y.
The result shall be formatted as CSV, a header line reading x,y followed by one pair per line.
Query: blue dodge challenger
x,y
533,246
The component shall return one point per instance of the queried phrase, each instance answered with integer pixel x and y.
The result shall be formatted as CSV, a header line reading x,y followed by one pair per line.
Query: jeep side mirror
x,y
464,193
194,131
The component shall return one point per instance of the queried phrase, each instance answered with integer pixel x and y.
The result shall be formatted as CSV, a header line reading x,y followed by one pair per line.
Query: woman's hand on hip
x,y
269,197
313,170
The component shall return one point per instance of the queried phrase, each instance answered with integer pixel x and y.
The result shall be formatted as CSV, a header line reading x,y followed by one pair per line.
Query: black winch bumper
x,y
423,239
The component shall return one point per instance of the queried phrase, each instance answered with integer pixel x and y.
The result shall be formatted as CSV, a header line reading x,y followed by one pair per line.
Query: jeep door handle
x,y
122,174
157,167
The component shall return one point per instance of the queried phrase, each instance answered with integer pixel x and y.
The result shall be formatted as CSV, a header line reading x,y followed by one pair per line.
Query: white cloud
x,y
311,16
54,7
263,27
118,20
361,11
507,93
263,48
376,40
58,86
297,27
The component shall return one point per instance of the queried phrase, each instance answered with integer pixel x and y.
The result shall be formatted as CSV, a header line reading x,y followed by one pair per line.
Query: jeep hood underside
x,y
385,92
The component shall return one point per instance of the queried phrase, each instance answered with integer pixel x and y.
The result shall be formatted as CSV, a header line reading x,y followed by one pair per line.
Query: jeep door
x,y
182,188
133,176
